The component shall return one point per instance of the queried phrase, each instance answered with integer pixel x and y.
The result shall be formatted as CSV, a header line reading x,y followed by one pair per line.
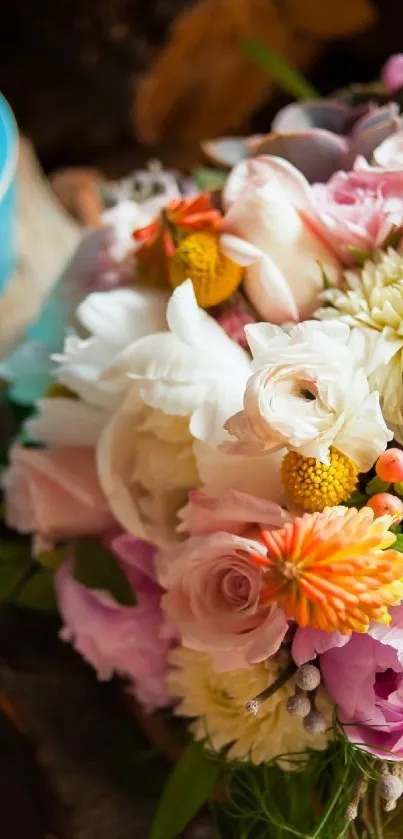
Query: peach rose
x,y
213,587
55,494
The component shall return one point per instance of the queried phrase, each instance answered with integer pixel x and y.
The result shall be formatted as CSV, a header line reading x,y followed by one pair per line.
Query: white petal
x,y
269,293
258,476
121,316
66,422
80,366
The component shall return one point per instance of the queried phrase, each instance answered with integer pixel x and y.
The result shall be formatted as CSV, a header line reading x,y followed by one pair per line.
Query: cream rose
x,y
306,394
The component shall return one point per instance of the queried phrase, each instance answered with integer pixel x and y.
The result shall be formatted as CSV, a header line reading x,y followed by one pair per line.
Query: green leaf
x,y
189,785
360,256
51,559
12,572
357,499
376,485
209,179
398,545
96,568
393,240
38,592
289,79
398,488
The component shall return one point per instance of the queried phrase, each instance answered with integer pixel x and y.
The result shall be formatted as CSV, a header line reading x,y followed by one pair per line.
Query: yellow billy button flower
x,y
312,485
214,276
333,570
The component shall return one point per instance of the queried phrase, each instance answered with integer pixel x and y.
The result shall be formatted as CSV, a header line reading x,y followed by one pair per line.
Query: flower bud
x,y
315,723
298,705
390,787
307,677
389,466
385,504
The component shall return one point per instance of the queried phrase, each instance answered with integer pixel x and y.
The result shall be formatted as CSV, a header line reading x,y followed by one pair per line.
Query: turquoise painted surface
x,y
8,210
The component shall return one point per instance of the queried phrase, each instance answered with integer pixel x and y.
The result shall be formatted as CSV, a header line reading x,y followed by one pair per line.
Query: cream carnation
x,y
372,302
217,702
308,393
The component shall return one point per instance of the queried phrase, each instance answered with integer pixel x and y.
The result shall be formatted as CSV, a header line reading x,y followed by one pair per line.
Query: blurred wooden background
x,y
94,81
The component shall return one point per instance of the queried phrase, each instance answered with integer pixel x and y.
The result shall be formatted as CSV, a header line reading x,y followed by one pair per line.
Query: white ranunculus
x,y
307,393
145,455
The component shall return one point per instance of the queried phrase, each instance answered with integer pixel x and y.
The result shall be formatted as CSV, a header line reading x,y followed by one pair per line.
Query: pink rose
x,y
132,641
392,73
358,209
55,494
365,679
213,587
266,229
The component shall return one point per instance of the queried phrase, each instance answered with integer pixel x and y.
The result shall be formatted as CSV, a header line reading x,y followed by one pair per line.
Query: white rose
x,y
145,455
307,394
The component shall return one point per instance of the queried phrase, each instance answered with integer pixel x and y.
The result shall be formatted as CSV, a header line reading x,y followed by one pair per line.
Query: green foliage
x,y
360,256
15,562
96,568
398,545
38,592
209,179
188,788
376,485
309,802
289,79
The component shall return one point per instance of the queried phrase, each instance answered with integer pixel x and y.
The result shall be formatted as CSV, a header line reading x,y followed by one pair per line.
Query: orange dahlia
x,y
159,240
331,571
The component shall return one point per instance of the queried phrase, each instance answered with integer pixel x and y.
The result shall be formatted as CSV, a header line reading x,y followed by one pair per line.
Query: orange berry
x,y
389,466
385,504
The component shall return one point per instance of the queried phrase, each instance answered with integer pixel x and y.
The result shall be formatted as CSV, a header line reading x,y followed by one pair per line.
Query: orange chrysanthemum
x,y
159,240
331,571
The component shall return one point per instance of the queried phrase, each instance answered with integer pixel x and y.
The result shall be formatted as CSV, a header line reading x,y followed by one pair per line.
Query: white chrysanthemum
x,y
372,301
372,297
217,702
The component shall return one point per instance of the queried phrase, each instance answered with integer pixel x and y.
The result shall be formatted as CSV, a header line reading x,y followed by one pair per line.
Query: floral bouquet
x,y
214,476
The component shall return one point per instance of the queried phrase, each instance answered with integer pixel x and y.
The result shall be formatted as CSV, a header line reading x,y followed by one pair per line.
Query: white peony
x,y
145,454
306,394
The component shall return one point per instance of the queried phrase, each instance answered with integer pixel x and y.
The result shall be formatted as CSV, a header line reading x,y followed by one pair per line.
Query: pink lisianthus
x,y
358,209
55,494
364,677
213,587
132,641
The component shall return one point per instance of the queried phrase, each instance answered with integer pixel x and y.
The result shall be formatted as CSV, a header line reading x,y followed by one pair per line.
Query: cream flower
x,y
265,230
145,457
217,702
307,394
113,320
372,303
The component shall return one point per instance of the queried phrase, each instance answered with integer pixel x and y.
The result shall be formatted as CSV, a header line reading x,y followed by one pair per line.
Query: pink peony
x,y
358,209
55,494
132,641
213,588
365,679
392,73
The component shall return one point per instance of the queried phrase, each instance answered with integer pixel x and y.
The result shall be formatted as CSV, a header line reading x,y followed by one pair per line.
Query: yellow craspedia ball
x,y
214,276
313,486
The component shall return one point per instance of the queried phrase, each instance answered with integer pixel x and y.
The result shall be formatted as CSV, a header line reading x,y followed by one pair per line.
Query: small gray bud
x,y
307,677
298,705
